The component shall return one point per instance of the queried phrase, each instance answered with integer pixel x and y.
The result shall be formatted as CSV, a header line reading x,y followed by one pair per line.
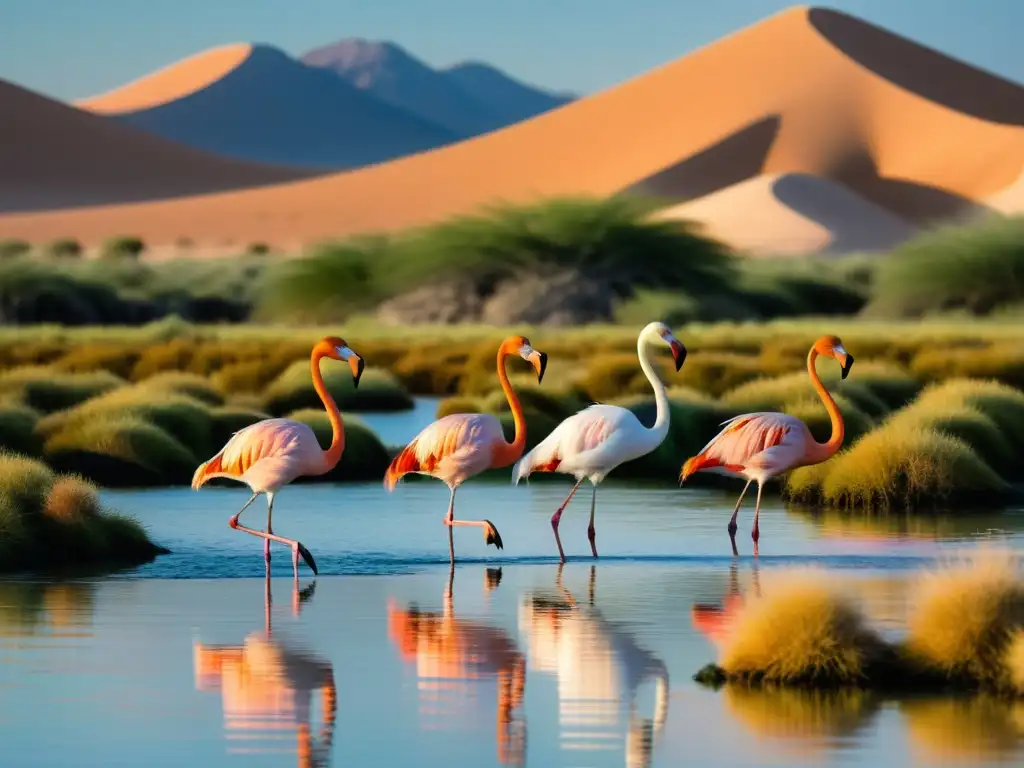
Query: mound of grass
x,y
365,458
899,467
1015,660
47,390
802,631
228,419
378,390
120,450
179,382
1001,403
965,619
52,521
458,404
1001,361
18,429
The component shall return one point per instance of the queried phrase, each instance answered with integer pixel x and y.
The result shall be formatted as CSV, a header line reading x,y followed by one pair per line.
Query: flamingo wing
x,y
265,455
592,441
758,443
453,448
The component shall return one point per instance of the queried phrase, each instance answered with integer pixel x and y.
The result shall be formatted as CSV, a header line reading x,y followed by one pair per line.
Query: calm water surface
x,y
388,659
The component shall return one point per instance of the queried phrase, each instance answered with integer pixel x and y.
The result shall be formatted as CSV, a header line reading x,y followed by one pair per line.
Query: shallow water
x,y
180,662
171,664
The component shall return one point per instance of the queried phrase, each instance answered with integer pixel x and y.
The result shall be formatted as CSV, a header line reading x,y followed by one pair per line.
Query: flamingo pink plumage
x,y
759,446
594,441
461,445
271,453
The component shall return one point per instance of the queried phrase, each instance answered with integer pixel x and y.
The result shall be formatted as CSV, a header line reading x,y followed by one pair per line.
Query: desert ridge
x,y
808,92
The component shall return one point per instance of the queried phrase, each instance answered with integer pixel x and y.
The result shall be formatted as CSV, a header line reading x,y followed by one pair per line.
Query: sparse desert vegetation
x,y
806,630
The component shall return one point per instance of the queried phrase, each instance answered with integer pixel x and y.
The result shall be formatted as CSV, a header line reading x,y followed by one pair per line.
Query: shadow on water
x,y
599,667
268,687
453,655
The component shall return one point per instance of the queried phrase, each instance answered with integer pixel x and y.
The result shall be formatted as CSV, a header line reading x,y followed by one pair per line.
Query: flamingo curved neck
x,y
834,443
660,428
333,454
509,453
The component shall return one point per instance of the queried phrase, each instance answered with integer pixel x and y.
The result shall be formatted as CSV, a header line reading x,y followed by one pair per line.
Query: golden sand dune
x,y
256,103
794,213
807,91
54,156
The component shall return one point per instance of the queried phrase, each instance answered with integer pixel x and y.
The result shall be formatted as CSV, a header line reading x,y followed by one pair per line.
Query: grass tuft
x,y
378,390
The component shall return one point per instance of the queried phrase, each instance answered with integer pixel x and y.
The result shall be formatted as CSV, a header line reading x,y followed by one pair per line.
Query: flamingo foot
x,y
491,535
297,550
592,535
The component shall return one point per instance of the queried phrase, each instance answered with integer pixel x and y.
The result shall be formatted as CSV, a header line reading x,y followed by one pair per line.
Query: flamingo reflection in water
x,y
599,666
267,688
715,621
454,657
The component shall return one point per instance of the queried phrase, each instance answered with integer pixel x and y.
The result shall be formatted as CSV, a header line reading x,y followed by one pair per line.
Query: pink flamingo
x,y
759,446
594,441
271,453
461,445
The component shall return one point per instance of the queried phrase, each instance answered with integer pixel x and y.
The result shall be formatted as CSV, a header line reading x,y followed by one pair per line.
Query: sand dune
x,y
794,213
807,91
254,102
55,156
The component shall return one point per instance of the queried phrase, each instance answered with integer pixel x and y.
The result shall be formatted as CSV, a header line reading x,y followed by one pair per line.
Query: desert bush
x,y
179,382
48,390
123,247
801,630
251,375
50,521
965,617
118,359
1015,660
1002,404
364,458
257,249
64,247
378,390
12,249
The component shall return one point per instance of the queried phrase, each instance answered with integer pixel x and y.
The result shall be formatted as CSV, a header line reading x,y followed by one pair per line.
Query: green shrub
x,y
178,382
17,430
12,249
64,247
123,247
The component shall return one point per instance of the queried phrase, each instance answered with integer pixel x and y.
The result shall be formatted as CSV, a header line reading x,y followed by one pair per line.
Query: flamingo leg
x,y
591,532
736,511
270,527
296,547
755,534
555,518
491,535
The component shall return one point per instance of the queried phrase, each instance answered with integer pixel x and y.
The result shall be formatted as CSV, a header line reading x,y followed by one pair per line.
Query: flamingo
x,y
461,445
455,657
594,441
267,686
271,453
759,446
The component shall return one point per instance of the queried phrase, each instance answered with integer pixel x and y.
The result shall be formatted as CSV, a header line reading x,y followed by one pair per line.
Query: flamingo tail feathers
x,y
404,463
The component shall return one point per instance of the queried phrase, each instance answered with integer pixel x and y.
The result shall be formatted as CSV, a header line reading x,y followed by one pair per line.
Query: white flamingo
x,y
592,442
599,667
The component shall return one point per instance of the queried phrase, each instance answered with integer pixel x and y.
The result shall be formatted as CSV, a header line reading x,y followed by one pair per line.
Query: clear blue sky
x,y
75,48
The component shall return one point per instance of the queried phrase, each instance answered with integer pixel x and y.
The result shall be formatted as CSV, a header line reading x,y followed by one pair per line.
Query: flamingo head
x,y
677,347
831,346
337,349
521,346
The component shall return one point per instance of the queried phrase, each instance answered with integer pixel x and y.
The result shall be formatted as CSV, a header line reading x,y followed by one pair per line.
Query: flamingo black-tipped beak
x,y
540,362
491,535
308,558
678,353
847,365
356,363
